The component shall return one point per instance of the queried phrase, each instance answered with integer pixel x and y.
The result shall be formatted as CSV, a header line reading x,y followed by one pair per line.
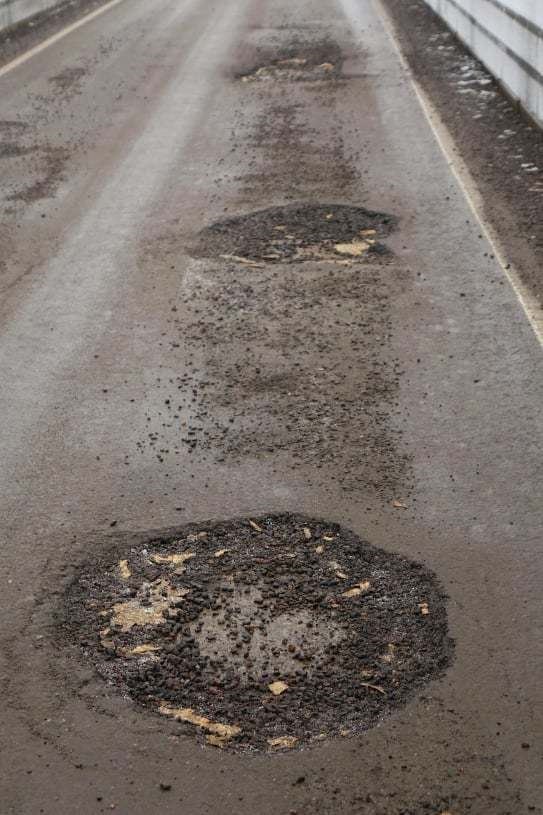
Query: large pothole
x,y
298,232
261,634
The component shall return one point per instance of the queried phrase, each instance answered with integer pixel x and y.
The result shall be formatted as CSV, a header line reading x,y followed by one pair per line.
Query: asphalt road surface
x,y
154,375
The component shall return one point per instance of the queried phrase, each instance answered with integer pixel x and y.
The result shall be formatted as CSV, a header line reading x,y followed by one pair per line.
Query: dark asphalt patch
x,y
14,150
48,165
298,232
68,80
263,634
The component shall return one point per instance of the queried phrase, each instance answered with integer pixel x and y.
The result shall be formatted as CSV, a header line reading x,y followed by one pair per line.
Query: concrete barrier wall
x,y
507,36
13,11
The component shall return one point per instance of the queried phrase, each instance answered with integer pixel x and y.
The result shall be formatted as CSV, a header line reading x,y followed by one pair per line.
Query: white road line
x,y
10,66
530,305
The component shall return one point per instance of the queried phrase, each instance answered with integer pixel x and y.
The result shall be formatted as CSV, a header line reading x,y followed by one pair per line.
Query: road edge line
x,y
22,58
530,304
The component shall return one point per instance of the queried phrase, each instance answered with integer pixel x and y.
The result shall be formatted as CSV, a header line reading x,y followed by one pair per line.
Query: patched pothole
x,y
298,232
263,634
298,62
292,69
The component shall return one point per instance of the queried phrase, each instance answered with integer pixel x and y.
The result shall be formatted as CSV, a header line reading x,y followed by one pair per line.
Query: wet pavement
x,y
187,337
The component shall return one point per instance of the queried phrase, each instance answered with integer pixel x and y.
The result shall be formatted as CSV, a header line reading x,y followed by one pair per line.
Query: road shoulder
x,y
501,148
21,37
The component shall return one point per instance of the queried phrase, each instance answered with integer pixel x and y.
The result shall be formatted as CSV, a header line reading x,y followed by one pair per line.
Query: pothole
x,y
298,232
298,62
263,634
292,69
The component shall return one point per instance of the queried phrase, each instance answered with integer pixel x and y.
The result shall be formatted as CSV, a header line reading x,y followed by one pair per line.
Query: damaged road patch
x,y
298,632
298,232
298,62
294,69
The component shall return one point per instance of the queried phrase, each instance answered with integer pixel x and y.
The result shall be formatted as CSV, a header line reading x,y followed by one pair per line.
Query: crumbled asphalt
x,y
298,232
288,628
300,59
249,386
